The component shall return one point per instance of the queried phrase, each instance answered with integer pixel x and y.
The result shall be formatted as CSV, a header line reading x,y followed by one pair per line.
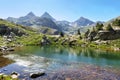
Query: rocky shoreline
x,y
85,72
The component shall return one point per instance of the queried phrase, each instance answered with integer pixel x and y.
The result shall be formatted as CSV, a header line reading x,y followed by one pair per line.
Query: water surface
x,y
49,58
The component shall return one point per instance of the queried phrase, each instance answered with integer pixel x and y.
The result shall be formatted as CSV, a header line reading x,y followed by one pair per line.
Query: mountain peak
x,y
83,22
31,14
47,15
83,18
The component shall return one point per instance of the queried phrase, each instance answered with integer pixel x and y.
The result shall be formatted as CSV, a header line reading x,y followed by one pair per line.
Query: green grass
x,y
32,39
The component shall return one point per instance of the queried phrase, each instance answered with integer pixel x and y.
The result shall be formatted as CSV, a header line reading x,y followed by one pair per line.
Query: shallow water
x,y
34,59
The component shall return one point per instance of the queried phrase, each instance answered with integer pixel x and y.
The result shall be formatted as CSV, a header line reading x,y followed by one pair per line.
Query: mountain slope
x,y
6,28
46,22
63,25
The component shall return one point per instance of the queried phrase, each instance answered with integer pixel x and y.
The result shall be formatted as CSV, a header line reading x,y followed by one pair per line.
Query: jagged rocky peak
x,y
82,17
47,15
30,14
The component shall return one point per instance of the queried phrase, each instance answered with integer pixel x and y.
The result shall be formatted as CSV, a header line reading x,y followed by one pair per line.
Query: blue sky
x,y
62,9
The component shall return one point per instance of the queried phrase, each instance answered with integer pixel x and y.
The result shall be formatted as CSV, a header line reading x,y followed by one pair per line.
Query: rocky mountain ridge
x,y
46,20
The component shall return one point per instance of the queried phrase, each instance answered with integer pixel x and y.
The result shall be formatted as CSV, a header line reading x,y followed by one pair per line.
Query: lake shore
x,y
84,72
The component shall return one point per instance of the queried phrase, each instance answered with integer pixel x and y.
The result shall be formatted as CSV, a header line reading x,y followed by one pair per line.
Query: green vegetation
x,y
115,43
6,77
61,34
32,39
31,35
78,32
99,26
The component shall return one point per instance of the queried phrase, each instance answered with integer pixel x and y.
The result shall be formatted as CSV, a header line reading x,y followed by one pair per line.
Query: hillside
x,y
7,27
14,34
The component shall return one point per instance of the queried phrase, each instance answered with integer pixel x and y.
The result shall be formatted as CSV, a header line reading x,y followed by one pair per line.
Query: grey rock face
x,y
108,35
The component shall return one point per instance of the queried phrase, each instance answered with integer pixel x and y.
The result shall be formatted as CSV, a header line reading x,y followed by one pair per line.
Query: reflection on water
x,y
49,57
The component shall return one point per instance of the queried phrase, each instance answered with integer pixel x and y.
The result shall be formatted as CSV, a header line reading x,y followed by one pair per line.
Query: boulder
x,y
4,69
116,49
45,40
10,49
91,35
15,75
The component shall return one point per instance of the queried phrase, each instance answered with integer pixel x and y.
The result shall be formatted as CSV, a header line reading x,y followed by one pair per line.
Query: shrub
x,y
61,34
99,26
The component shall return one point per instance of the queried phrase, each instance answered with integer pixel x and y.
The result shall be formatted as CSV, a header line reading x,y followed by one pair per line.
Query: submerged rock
x,y
4,69
35,75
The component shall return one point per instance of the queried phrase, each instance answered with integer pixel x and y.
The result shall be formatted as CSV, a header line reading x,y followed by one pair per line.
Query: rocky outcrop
x,y
108,35
5,30
103,35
